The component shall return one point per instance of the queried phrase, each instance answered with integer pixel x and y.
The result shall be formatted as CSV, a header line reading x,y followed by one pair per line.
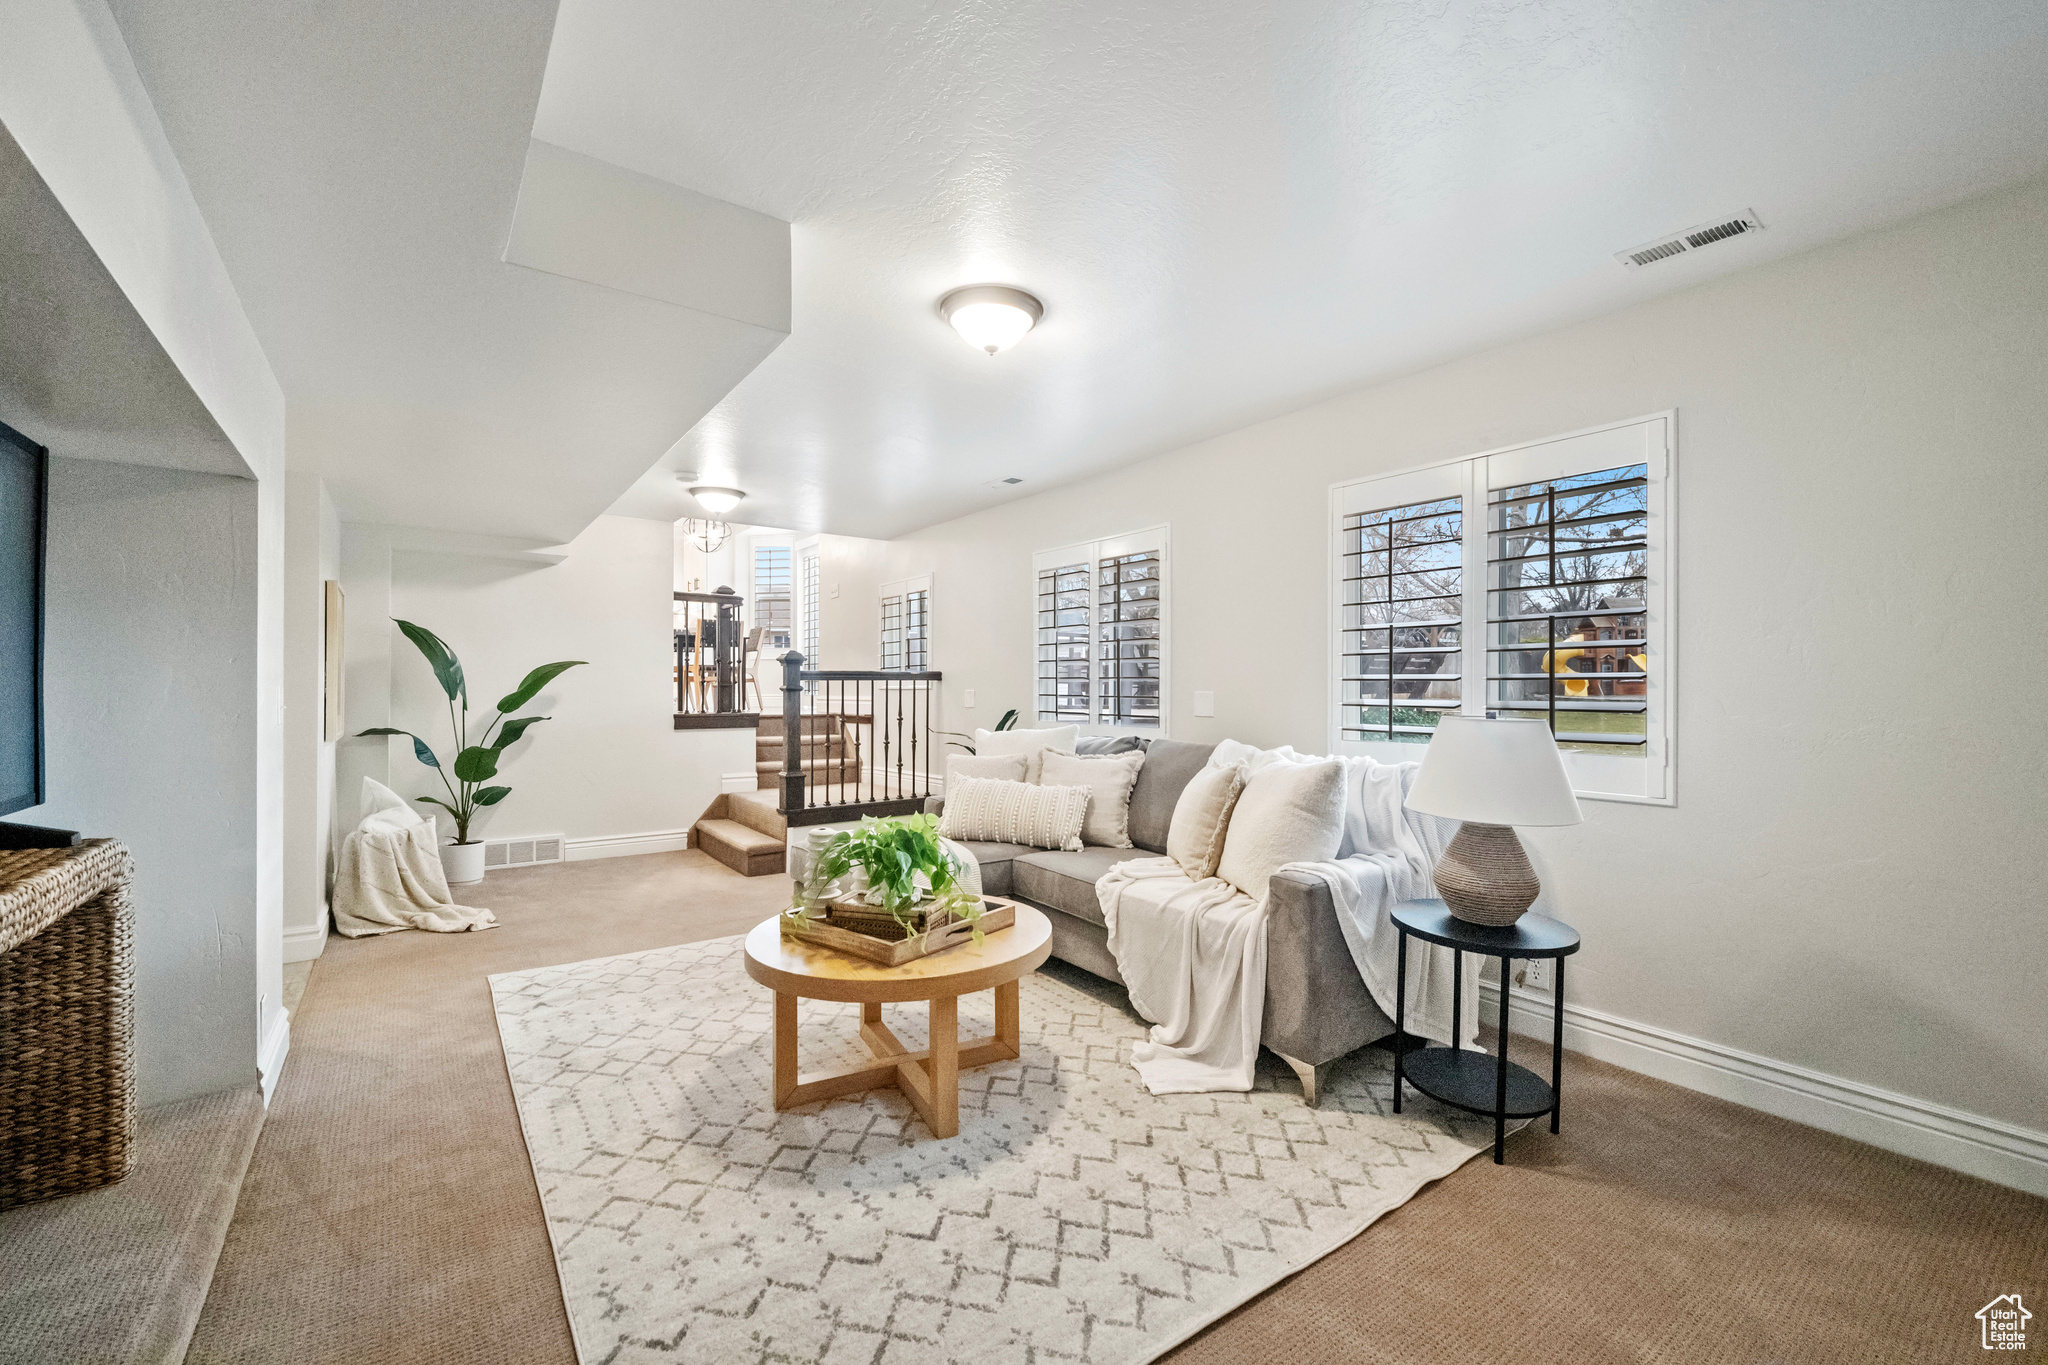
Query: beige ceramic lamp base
x,y
1485,877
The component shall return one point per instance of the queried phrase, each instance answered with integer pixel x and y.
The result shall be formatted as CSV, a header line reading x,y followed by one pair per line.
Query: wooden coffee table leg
x,y
785,1049
1009,1033
944,1067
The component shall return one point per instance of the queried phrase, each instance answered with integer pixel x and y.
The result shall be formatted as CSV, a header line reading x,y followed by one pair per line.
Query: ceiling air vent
x,y
1692,239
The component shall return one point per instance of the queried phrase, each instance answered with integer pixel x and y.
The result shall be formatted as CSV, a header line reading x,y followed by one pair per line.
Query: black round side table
x,y
1474,1081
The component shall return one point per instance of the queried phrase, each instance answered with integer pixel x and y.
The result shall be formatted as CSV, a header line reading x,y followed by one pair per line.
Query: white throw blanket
x,y
389,876
1193,954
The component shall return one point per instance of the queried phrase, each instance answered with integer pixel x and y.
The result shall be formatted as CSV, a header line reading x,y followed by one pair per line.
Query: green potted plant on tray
x,y
475,764
889,878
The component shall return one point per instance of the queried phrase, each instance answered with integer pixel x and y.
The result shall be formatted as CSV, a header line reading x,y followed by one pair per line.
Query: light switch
x,y
967,698
1205,703
835,590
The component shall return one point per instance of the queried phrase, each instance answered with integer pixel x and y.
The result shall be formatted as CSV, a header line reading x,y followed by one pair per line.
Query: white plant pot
x,y
463,864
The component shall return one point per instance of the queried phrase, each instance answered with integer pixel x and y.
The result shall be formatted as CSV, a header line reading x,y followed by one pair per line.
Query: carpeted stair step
x,y
757,811
746,851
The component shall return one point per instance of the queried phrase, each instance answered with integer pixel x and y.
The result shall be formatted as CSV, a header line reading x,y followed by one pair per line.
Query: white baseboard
x,y
277,1044
625,845
1987,1148
738,782
304,945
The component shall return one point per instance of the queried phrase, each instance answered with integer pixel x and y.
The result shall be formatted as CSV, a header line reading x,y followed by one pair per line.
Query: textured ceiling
x,y
1231,209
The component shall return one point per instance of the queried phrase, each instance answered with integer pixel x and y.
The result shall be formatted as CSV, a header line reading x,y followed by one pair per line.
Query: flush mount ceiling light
x,y
993,317
718,501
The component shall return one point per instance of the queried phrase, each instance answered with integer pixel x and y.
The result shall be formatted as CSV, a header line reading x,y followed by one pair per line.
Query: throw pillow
x,y
1289,813
1030,743
984,810
1201,819
1001,767
1109,780
1230,753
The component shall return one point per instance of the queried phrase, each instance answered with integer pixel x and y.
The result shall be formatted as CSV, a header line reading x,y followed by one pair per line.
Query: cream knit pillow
x,y
1201,819
1001,767
1109,779
1030,743
1289,813
983,810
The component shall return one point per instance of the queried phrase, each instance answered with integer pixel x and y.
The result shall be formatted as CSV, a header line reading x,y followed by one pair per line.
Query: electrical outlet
x,y
967,698
1536,974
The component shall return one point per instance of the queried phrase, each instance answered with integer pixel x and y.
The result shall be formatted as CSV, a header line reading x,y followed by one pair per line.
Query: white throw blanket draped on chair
x,y
389,875
1193,954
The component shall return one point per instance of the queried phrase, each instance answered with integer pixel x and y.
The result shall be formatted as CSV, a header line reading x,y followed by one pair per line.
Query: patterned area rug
x,y
1076,1217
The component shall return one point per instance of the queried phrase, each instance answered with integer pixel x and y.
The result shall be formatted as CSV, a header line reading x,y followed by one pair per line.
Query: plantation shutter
x,y
1401,646
771,592
1128,625
892,632
1064,636
808,593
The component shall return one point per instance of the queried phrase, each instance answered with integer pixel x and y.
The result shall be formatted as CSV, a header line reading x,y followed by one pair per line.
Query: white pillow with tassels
x,y
985,810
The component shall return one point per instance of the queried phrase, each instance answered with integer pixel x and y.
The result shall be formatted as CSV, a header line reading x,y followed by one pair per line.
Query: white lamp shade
x,y
991,317
717,501
1494,772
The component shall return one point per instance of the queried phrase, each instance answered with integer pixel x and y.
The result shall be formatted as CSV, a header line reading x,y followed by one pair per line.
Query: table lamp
x,y
1493,775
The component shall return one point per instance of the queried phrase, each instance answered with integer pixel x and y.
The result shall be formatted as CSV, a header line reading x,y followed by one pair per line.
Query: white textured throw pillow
x,y
1289,813
1001,767
1201,819
1109,780
1030,743
982,810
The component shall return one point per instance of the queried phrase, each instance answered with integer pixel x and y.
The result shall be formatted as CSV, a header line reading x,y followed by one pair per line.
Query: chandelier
x,y
707,536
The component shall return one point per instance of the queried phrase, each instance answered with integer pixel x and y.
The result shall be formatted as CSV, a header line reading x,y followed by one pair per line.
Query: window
x,y
1100,632
1573,621
771,594
807,589
1403,602
1064,652
906,625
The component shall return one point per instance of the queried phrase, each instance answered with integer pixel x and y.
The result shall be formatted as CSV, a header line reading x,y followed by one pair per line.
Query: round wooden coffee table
x,y
929,1079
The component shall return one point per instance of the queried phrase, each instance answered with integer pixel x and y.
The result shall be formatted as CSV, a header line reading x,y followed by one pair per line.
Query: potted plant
x,y
960,740
475,764
891,881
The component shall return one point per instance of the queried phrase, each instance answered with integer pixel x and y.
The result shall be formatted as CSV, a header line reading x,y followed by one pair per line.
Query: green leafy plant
x,y
904,863
475,764
960,740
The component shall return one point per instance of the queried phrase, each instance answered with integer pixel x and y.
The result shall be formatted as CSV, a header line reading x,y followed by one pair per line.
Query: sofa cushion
x,y
1169,764
997,876
1066,881
1098,745
1030,743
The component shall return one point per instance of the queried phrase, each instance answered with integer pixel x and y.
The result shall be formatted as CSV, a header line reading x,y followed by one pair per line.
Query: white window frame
x,y
808,630
904,588
1092,552
1650,440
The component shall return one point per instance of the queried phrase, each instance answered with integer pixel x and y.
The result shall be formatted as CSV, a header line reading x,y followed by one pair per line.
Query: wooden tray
x,y
997,913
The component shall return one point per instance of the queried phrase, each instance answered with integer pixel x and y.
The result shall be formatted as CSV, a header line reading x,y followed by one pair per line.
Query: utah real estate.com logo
x,y
2005,1323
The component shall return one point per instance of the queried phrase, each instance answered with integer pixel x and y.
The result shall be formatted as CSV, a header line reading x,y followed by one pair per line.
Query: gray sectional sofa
x,y
1317,1008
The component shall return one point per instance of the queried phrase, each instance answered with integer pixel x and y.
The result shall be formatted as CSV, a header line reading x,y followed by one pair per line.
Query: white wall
x,y
610,764
72,101
152,727
313,550
1852,878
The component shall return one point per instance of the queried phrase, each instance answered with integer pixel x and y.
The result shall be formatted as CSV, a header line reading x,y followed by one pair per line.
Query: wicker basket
x,y
67,1021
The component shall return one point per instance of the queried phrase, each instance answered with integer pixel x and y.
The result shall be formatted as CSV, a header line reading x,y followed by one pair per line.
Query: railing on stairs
x,y
855,742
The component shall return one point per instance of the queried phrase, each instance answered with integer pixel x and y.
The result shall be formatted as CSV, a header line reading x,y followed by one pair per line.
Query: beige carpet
x,y
118,1275
390,1215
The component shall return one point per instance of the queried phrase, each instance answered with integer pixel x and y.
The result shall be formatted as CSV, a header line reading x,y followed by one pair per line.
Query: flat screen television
x,y
24,515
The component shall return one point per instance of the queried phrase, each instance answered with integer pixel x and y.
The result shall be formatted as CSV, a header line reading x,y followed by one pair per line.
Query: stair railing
x,y
855,742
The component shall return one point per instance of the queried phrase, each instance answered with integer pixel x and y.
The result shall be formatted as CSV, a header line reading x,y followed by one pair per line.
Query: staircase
x,y
827,750
744,831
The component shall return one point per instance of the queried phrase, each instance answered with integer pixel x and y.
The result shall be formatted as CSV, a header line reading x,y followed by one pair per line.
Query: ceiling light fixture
x,y
718,501
992,317
707,536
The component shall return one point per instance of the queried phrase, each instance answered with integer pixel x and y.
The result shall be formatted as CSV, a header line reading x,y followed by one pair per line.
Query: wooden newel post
x,y
792,732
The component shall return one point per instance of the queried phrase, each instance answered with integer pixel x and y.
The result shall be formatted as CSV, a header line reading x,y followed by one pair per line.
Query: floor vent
x,y
1692,239
541,848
